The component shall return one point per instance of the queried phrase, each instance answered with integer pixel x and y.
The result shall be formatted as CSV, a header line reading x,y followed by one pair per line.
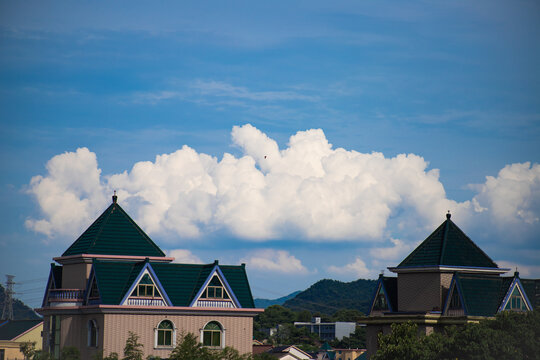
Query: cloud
x,y
398,251
525,271
358,269
70,196
307,191
513,196
183,256
275,261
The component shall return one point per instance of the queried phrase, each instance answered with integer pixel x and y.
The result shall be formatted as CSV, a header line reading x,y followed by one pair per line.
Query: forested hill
x,y
328,296
20,310
264,303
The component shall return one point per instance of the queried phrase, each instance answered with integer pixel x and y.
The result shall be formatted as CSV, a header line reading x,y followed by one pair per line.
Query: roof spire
x,y
114,197
448,215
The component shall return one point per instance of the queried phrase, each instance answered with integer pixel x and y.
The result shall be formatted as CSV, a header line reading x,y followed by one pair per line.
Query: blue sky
x,y
92,92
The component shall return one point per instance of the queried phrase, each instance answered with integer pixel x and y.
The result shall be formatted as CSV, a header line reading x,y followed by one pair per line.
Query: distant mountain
x,y
328,296
264,303
20,310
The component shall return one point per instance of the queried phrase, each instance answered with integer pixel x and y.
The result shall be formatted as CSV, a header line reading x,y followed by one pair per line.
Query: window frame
x,y
172,331
212,332
92,325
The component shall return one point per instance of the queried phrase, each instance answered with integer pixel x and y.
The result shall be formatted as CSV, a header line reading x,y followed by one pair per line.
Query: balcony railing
x,y
70,295
215,303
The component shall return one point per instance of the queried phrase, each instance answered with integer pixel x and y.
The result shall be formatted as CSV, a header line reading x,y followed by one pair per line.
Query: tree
x,y
510,335
28,348
133,349
188,348
70,353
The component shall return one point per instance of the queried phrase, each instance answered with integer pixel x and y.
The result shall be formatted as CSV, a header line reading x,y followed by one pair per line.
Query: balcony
x,y
65,297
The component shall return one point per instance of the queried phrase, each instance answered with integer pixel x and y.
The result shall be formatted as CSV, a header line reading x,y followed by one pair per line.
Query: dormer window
x,y
94,291
380,303
215,290
516,302
145,288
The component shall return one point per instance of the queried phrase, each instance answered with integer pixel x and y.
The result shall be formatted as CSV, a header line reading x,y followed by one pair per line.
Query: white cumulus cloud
x,y
275,261
513,196
183,256
307,191
358,269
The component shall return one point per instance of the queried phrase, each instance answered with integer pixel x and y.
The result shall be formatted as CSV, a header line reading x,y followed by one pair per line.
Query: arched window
x,y
92,333
165,334
212,334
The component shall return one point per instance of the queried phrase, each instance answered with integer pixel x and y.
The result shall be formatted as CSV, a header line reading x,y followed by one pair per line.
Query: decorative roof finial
x,y
114,197
516,273
448,216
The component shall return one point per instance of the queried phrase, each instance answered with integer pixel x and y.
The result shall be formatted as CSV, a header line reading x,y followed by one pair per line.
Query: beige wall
x,y
422,291
238,330
75,276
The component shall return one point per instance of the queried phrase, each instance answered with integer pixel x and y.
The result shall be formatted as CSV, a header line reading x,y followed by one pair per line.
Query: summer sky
x,y
307,139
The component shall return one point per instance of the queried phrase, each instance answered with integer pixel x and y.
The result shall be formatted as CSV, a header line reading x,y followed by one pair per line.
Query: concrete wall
x,y
75,276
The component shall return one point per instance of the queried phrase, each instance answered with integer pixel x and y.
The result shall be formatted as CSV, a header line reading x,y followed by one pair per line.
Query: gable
x,y
385,298
215,292
515,298
146,290
114,233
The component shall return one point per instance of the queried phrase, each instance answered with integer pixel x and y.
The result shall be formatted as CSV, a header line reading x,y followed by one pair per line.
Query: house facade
x,y
446,280
13,333
114,279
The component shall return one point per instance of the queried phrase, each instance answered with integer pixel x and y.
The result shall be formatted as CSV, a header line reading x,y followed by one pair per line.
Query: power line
x,y
7,311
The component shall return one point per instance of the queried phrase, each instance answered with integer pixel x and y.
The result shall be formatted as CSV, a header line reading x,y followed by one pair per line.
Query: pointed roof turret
x,y
448,246
114,233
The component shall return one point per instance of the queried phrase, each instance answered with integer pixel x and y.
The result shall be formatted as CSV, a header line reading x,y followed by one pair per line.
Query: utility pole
x,y
7,312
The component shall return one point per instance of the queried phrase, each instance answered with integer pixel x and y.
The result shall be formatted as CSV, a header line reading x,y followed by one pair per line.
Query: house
x,y
289,352
446,280
15,332
328,330
114,279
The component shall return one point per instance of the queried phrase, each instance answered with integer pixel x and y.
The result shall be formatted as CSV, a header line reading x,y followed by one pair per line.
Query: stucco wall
x,y
75,276
238,330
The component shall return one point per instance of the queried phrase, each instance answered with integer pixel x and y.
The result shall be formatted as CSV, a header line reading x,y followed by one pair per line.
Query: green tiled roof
x,y
13,328
449,246
181,282
482,294
114,233
532,289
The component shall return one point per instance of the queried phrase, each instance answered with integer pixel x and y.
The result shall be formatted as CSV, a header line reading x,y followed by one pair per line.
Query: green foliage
x,y
510,335
133,349
263,356
112,356
70,353
275,315
347,315
189,348
28,348
42,355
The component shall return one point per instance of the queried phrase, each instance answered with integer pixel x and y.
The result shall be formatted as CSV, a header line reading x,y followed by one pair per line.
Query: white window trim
x,y
222,346
173,340
89,333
